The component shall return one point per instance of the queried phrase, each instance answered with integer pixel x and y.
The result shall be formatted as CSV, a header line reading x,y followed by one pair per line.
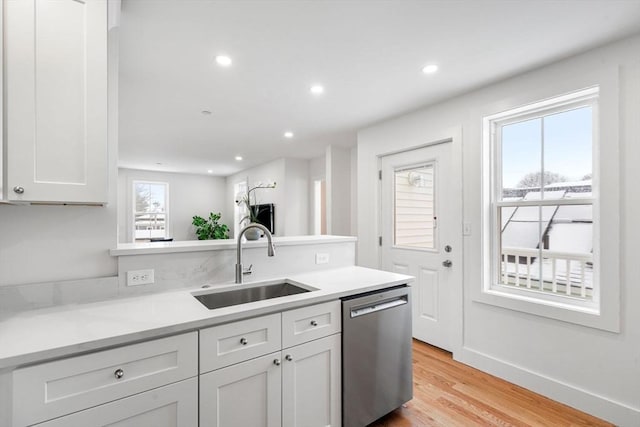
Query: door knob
x,y
447,263
18,190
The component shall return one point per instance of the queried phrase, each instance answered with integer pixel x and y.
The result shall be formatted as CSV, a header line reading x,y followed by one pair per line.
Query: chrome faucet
x,y
270,247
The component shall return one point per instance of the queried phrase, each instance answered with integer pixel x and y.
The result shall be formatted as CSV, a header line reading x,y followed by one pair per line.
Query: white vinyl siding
x,y
414,219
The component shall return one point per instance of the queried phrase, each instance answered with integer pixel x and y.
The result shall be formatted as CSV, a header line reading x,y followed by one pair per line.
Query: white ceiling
x,y
367,54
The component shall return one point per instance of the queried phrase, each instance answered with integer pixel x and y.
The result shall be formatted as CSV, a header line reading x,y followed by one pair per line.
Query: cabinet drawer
x,y
174,405
310,323
52,389
235,342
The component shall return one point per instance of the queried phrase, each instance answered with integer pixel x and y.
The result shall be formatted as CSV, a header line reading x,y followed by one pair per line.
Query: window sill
x,y
559,308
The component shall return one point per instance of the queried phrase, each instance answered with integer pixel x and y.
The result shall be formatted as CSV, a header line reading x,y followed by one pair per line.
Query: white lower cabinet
x,y
96,389
174,405
298,386
311,389
245,394
278,370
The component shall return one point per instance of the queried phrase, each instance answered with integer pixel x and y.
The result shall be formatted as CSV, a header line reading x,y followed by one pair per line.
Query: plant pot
x,y
253,234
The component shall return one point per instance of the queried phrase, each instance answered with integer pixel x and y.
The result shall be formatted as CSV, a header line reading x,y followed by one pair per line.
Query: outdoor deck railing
x,y
562,272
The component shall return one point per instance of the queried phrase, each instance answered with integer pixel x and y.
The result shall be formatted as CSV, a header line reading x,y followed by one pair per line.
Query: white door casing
x,y
416,234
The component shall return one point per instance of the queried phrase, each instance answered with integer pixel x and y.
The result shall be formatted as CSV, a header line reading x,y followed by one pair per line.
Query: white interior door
x,y
421,228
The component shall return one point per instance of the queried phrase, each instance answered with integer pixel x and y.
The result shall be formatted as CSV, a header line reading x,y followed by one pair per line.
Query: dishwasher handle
x,y
379,306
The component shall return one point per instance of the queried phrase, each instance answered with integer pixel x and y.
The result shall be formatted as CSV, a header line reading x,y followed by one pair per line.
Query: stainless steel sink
x,y
248,293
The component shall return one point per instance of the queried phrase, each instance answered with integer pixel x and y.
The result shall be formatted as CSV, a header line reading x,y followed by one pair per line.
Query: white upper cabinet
x,y
56,101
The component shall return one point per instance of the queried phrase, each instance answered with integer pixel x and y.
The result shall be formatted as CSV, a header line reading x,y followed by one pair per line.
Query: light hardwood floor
x,y
448,393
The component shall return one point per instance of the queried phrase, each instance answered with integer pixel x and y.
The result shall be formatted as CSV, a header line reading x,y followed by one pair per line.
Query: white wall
x,y
353,188
189,195
291,196
317,172
296,211
269,172
593,370
338,167
49,243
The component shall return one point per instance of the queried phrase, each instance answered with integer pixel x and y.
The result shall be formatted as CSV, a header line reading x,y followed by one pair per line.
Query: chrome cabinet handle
x,y
276,362
314,323
18,190
288,357
447,263
119,373
243,341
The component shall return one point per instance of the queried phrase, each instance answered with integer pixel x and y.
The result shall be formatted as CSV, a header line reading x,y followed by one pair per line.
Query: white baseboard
x,y
615,412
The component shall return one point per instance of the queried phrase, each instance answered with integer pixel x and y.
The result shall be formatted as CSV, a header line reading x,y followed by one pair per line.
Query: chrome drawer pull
x,y
119,373
288,357
243,341
314,323
276,362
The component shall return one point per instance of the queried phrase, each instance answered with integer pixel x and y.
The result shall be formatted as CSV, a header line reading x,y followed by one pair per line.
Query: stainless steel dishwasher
x,y
376,354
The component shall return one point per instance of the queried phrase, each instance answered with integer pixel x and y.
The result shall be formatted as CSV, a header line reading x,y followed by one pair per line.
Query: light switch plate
x,y
466,229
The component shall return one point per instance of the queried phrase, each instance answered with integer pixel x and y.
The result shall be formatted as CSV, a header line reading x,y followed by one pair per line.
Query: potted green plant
x,y
251,209
210,228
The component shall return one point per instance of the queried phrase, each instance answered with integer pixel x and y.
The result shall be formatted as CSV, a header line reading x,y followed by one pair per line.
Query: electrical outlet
x,y
322,258
139,277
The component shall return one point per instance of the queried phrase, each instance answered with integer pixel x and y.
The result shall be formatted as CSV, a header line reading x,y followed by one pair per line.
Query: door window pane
x,y
414,213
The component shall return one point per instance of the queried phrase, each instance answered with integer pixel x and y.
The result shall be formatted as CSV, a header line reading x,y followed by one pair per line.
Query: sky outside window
x,y
567,147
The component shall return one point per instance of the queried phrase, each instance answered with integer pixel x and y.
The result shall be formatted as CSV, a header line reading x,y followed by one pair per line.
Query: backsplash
x,y
178,270
191,269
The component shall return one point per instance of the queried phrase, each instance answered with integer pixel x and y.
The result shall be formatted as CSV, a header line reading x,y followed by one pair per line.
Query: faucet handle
x,y
247,270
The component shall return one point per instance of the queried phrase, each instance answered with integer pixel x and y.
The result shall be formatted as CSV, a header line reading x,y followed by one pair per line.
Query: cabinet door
x,y
56,100
246,394
175,405
311,387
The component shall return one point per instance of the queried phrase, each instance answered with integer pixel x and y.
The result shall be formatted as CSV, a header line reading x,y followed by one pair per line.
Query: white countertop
x,y
38,335
222,244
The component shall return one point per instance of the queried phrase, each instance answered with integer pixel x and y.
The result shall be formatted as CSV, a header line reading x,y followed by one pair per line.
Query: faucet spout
x,y
270,247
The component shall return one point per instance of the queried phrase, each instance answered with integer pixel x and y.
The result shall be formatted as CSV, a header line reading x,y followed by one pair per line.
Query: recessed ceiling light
x,y
209,170
288,135
223,60
430,69
206,112
317,89
238,158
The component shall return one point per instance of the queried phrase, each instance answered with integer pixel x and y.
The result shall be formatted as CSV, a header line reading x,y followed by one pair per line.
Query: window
x,y
414,210
150,216
543,201
239,209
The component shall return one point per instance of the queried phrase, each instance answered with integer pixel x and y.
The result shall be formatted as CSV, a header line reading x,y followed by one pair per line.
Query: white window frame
x,y
167,226
567,308
239,209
